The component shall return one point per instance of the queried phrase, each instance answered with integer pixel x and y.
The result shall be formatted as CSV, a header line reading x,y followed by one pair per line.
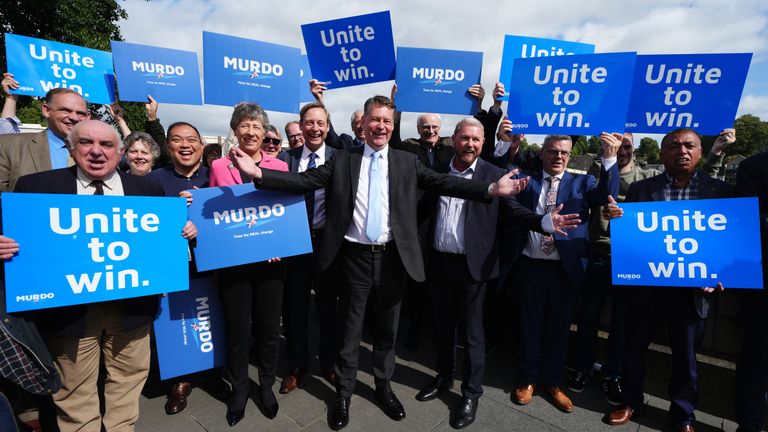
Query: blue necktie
x,y
309,197
373,222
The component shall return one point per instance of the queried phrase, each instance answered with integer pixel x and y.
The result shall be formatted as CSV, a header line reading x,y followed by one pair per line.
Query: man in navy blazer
x,y
301,279
551,269
371,226
463,258
685,309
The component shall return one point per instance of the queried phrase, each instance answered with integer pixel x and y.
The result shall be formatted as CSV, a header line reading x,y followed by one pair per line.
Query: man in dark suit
x,y
332,139
464,257
551,268
752,368
685,309
22,154
371,225
78,335
301,279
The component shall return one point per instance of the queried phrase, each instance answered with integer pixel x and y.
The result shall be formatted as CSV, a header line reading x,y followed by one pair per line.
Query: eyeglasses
x,y
273,141
294,136
553,152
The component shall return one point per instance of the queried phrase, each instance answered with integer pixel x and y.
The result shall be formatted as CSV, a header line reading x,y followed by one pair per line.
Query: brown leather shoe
x,y
292,380
560,400
524,394
329,375
685,428
620,416
177,398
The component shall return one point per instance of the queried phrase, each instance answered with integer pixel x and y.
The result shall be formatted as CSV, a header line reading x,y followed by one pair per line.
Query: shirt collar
x,y
469,170
367,150
671,181
546,175
305,151
55,141
110,182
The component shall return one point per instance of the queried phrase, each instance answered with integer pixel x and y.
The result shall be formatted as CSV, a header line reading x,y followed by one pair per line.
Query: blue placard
x,y
169,75
699,91
240,225
436,81
694,243
238,69
189,330
306,74
576,95
40,65
351,51
531,47
76,249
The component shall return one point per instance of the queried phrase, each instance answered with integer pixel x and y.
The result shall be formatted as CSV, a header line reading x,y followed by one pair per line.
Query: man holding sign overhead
x,y
685,309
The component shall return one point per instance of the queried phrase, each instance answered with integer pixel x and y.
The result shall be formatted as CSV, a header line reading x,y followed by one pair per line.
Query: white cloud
x,y
755,105
655,26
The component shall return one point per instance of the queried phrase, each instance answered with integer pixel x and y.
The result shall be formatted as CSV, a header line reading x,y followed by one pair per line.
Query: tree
x,y
751,136
580,146
593,144
648,150
88,23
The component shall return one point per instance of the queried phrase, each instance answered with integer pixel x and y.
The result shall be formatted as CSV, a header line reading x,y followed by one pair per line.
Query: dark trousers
x,y
301,280
597,287
686,332
240,287
545,317
752,368
544,305
458,305
375,279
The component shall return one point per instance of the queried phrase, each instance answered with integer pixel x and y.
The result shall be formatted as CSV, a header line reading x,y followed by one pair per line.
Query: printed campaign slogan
x,y
351,51
436,81
77,249
699,91
582,94
530,47
190,330
695,243
238,69
169,75
240,225
40,65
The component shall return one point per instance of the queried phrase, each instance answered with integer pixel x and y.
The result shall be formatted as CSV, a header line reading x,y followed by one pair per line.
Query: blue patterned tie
x,y
309,197
373,223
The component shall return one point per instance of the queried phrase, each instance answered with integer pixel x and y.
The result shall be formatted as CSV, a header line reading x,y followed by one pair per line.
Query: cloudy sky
x,y
648,27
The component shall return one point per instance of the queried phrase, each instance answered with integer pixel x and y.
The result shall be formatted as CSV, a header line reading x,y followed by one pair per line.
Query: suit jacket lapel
x,y
537,179
355,159
564,189
39,153
394,171
294,162
657,189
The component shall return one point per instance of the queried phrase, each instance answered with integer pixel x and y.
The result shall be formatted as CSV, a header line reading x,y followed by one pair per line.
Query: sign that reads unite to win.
x,y
169,75
77,249
436,81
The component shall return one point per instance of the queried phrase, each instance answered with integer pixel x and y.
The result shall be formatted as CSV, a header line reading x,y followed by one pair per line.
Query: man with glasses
x,y
293,133
551,268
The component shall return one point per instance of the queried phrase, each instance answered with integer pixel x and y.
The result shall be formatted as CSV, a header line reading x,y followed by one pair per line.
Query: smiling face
x,y
555,155
139,157
314,127
468,142
357,125
65,111
429,128
680,153
626,151
271,144
295,138
96,149
186,148
250,135
378,124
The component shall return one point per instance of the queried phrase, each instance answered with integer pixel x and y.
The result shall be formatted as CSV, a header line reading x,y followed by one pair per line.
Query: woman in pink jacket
x,y
256,287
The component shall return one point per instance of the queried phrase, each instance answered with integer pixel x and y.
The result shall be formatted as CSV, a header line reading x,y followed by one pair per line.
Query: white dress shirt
x,y
113,185
356,230
533,248
319,218
452,218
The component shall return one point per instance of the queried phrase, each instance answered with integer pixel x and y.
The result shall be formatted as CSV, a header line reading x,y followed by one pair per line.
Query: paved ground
x,y
305,409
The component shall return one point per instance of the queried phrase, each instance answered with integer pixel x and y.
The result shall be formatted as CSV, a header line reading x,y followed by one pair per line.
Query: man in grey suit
x,y
685,309
371,198
22,154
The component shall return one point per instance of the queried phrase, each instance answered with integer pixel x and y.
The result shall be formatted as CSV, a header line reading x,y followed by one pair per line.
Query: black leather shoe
x,y
338,417
390,405
431,391
464,414
269,402
235,415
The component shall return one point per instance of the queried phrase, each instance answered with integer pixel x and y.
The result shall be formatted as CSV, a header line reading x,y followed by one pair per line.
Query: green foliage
x,y
580,147
649,150
88,23
593,144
